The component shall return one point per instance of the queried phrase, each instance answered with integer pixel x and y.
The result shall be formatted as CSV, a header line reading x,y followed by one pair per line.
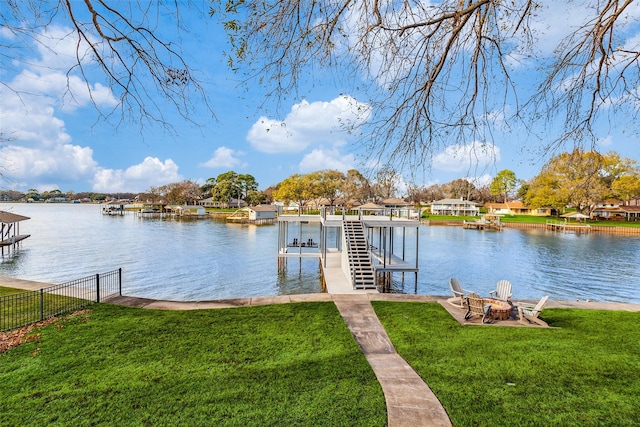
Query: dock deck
x,y
335,280
568,228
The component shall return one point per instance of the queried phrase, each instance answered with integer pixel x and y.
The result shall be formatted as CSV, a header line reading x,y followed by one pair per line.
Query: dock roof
x,y
8,217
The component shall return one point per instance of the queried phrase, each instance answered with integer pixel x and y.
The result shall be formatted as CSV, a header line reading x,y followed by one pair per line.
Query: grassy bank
x,y
532,219
25,307
297,364
293,364
586,372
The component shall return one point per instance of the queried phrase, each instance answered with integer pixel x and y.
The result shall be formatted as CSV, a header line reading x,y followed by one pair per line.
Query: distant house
x,y
516,208
394,203
455,207
371,208
236,203
614,210
291,207
210,203
231,203
262,212
57,200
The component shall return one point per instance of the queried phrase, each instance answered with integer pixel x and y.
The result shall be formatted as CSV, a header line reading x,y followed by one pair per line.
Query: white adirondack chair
x,y
459,294
502,291
531,313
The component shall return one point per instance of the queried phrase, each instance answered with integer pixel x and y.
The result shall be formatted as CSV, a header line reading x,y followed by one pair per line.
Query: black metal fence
x,y
22,309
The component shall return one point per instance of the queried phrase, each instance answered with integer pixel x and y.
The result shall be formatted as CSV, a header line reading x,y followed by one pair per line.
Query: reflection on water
x,y
206,259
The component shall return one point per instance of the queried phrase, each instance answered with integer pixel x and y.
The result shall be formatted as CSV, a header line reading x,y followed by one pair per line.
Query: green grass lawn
x,y
9,291
533,219
297,364
281,365
25,307
584,373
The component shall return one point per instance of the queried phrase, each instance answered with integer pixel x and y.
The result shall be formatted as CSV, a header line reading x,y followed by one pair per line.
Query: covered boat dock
x,y
10,230
358,250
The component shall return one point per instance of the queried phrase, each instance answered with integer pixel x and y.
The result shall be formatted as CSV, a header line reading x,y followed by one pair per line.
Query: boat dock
x,y
481,225
10,236
487,222
565,227
360,259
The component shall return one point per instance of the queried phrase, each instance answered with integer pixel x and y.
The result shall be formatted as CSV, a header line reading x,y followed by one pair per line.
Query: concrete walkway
x,y
410,402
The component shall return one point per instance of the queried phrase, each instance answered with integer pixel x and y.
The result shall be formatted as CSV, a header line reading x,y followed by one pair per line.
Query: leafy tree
x,y
441,73
627,186
247,183
503,183
33,194
578,179
227,187
327,184
523,189
255,197
207,187
231,185
297,188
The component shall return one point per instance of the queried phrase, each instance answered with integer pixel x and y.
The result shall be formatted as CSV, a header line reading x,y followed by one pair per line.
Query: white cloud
x,y
60,162
224,157
151,172
606,141
308,125
38,148
326,159
458,157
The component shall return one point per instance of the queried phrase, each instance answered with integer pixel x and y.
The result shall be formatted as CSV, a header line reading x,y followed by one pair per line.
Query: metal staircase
x,y
360,265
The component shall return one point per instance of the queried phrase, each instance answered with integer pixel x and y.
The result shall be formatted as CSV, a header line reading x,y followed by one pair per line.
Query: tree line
x,y
579,179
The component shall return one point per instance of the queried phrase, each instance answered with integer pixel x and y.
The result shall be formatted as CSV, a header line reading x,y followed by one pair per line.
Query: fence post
x,y
41,304
97,287
120,281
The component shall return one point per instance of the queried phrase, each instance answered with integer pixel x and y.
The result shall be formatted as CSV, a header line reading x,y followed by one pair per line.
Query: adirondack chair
x,y
531,313
459,294
502,291
476,306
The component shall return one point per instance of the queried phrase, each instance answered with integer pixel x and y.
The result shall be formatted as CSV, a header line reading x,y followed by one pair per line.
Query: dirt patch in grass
x,y
16,337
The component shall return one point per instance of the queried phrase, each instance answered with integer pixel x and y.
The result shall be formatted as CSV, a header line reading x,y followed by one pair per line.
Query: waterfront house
x,y
616,211
290,207
394,203
210,203
516,208
455,207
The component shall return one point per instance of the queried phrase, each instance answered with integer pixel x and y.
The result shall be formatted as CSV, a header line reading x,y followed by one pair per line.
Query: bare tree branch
x,y
439,73
122,40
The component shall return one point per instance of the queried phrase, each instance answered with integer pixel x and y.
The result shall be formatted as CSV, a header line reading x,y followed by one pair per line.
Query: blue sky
x,y
59,141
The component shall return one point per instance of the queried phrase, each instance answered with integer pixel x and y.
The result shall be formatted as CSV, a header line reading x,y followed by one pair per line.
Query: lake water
x,y
208,259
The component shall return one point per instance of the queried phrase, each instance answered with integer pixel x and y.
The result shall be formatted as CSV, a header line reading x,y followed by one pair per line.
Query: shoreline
x,y
609,229
133,301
